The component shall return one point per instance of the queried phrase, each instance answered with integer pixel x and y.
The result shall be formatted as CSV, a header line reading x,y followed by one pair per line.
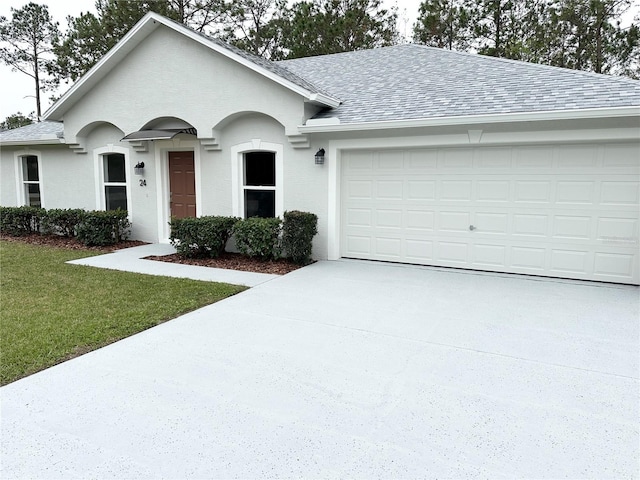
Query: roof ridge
x,y
479,56
489,58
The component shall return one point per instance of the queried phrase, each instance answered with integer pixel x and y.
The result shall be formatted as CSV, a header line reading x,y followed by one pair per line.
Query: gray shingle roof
x,y
410,81
45,130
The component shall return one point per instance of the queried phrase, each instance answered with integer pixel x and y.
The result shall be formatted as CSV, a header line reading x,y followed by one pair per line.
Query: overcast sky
x,y
18,88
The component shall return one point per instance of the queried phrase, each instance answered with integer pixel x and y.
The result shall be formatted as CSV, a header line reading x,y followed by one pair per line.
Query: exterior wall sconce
x,y
320,157
138,169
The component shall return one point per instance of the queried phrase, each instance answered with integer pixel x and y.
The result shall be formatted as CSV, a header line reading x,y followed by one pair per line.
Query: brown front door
x,y
182,184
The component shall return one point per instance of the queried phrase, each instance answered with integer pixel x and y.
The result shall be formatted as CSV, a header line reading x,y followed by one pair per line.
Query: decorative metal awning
x,y
158,134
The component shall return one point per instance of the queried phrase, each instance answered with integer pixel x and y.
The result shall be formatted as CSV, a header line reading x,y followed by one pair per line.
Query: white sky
x,y
18,89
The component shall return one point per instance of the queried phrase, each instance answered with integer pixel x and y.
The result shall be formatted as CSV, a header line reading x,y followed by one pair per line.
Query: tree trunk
x,y
37,80
599,21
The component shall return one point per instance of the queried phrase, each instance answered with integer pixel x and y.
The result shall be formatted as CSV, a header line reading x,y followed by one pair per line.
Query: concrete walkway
x,y
350,369
132,260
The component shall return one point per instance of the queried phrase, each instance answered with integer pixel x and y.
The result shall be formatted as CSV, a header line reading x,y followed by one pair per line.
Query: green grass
x,y
51,311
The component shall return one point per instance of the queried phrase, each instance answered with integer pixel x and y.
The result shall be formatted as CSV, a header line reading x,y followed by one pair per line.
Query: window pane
x,y
259,203
30,168
114,168
260,169
115,197
33,194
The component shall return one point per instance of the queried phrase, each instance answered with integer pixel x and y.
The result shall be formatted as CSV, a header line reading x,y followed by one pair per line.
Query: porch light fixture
x,y
320,157
139,168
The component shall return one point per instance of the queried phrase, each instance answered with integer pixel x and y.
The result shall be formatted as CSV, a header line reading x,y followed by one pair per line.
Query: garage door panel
x,y
359,189
529,258
456,158
533,191
359,162
358,246
570,191
388,248
615,266
572,227
452,253
493,191
549,210
454,222
419,160
622,155
530,224
359,217
455,190
583,157
421,190
494,157
489,255
390,189
620,193
419,250
570,261
420,219
621,229
538,158
392,160
494,223
386,218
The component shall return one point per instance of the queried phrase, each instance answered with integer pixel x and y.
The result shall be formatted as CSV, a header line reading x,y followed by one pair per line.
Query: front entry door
x,y
182,185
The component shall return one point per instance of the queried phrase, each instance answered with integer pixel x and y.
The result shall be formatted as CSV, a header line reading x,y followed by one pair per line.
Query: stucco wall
x,y
105,138
66,178
305,184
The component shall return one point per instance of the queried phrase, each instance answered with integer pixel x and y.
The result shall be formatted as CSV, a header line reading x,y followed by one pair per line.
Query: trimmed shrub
x,y
17,221
201,237
298,230
103,228
63,222
258,237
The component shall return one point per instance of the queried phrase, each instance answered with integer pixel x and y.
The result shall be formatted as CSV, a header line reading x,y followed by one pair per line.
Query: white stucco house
x,y
431,157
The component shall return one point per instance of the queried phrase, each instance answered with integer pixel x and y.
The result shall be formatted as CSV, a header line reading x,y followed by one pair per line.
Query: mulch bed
x,y
66,242
233,261
229,261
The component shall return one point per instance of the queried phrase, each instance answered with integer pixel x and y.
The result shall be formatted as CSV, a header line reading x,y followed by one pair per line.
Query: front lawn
x,y
51,311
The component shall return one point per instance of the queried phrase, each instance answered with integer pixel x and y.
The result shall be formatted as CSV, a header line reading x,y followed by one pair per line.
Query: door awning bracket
x,y
158,134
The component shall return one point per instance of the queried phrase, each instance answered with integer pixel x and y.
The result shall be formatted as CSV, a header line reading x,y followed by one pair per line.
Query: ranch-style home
x,y
407,153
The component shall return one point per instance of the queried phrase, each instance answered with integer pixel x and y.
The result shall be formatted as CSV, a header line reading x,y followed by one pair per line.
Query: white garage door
x,y
566,211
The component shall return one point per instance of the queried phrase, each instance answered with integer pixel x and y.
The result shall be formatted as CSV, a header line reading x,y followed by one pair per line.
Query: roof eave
x,y
142,29
323,100
608,112
40,141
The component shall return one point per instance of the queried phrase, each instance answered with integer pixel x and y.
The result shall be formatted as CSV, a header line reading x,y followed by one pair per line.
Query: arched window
x,y
258,179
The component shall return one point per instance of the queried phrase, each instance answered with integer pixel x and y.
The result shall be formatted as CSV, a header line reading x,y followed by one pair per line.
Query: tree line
x,y
578,34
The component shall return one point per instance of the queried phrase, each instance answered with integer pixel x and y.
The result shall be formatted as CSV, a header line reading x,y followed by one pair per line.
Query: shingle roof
x,y
410,81
41,131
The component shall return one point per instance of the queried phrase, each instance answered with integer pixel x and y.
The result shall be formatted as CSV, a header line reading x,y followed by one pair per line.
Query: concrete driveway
x,y
350,369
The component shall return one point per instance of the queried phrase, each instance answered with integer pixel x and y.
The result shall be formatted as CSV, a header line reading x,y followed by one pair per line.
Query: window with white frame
x,y
31,181
259,184
115,181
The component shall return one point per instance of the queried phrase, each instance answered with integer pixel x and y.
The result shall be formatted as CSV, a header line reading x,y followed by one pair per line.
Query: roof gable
x,y
150,23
